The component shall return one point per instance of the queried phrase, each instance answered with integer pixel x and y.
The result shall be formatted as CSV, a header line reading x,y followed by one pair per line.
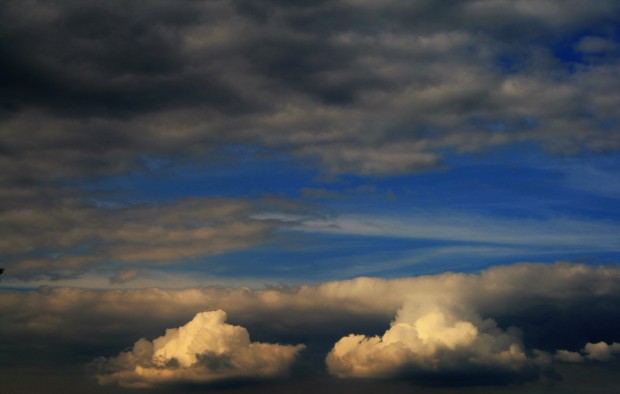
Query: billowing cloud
x,y
206,349
431,342
507,323
370,89
442,335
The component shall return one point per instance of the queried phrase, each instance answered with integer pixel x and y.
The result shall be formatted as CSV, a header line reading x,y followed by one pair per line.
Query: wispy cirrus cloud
x,y
456,226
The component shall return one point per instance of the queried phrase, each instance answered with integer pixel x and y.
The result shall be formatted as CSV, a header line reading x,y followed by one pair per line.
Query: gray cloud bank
x,y
64,236
506,324
370,88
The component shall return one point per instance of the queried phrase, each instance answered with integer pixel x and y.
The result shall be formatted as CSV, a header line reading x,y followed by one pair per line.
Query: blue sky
x,y
516,204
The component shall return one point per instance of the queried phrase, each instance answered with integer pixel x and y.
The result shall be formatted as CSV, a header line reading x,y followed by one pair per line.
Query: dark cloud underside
x,y
87,324
368,88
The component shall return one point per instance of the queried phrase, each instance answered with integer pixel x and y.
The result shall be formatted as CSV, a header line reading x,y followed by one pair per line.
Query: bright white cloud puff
x,y
438,340
432,343
206,349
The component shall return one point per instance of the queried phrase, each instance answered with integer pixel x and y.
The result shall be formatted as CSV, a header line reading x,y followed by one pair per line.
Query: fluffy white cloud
x,y
436,340
509,321
441,342
206,349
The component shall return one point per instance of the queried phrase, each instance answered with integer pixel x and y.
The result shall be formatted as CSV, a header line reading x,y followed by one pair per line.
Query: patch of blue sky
x,y
232,171
520,182
313,258
510,182
513,204
453,257
455,227
590,46
316,257
568,49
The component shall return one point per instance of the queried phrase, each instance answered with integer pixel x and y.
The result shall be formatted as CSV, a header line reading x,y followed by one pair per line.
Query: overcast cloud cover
x,y
259,195
368,88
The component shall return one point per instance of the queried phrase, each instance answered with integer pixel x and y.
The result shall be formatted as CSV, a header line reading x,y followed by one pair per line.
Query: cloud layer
x,y
448,336
367,88
204,350
503,325
65,236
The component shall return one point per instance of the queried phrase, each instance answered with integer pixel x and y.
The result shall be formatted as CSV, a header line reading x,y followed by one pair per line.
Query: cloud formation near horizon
x,y
433,343
445,335
600,351
204,350
507,323
445,343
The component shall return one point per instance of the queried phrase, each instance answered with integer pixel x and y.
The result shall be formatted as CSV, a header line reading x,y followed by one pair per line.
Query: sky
x,y
343,196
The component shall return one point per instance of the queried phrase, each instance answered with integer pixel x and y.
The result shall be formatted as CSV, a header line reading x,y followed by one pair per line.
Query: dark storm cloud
x,y
369,88
506,324
104,59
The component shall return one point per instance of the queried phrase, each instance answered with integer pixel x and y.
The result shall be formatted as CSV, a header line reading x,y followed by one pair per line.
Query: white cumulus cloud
x,y
204,350
429,341
503,325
